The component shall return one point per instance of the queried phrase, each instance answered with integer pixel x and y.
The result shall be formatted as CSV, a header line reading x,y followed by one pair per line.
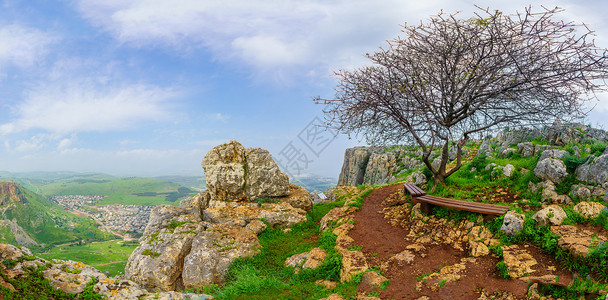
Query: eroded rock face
x,y
307,260
242,214
595,170
589,210
212,252
526,149
518,261
552,153
551,169
576,241
263,177
233,173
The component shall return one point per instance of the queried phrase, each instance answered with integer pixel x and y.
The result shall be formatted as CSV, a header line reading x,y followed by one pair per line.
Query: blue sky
x,y
147,87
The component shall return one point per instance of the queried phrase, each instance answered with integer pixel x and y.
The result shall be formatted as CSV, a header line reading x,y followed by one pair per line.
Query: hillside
x,y
28,219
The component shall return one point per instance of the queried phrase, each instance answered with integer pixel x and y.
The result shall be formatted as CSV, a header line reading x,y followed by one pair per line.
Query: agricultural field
x,y
109,256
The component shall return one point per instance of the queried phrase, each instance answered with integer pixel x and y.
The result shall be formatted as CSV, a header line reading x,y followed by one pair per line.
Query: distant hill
x,y
131,190
28,219
197,182
314,182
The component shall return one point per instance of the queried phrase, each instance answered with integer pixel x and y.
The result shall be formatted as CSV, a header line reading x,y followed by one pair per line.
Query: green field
x,y
109,256
133,190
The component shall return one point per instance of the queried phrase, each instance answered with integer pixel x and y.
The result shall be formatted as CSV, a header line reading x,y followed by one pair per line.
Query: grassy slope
x,y
48,223
108,256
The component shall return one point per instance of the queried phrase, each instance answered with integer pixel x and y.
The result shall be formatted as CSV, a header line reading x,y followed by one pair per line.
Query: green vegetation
x,y
48,223
264,276
109,257
33,286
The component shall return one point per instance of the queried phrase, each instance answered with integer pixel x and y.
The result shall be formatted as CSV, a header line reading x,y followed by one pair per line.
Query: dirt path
x,y
380,241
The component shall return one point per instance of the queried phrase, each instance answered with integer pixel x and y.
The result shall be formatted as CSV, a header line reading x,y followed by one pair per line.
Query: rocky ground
x,y
424,257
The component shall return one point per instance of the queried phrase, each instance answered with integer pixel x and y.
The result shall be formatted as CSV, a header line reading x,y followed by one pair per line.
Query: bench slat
x,y
414,190
465,205
480,204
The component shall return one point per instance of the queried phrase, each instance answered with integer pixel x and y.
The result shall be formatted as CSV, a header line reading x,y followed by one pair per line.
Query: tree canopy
x,y
450,78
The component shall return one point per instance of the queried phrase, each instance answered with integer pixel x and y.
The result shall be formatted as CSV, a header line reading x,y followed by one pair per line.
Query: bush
x,y
572,162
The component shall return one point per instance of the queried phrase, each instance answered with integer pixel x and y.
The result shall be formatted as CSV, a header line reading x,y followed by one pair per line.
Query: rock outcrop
x,y
595,170
9,191
233,173
192,245
551,169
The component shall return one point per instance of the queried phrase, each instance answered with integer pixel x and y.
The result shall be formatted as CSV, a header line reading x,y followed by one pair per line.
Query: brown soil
x,y
379,241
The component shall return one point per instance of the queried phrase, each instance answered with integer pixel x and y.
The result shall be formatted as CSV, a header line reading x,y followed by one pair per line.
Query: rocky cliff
x,y
9,191
192,245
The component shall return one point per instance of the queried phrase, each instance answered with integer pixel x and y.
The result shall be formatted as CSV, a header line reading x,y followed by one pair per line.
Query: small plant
x,y
263,200
442,282
150,253
502,269
355,248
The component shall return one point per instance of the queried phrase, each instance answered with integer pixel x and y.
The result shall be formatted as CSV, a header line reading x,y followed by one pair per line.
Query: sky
x,y
147,87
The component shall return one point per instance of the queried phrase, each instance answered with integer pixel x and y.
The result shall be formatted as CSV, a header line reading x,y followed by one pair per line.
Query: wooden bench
x,y
427,202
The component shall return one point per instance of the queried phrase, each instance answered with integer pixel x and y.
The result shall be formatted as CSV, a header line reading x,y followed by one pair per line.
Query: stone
x,y
156,264
280,214
353,262
513,223
525,149
298,197
224,167
576,241
121,290
161,216
213,251
505,152
581,192
595,170
589,210
333,297
519,262
327,284
10,252
256,226
233,173
541,148
478,249
263,178
508,170
551,169
71,276
195,205
550,215
307,260
552,153
353,168
373,280
405,257
380,168
336,217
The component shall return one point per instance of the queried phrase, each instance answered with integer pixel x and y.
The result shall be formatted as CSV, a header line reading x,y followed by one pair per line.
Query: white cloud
x,y
86,106
23,46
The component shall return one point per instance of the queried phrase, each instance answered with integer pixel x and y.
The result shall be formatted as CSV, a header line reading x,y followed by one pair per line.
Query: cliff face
x,y
376,165
9,191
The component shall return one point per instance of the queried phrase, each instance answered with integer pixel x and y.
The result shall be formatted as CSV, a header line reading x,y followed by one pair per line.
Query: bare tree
x,y
450,78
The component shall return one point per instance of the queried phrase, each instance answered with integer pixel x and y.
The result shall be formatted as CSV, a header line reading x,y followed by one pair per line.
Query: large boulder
x,y
280,214
233,173
589,210
525,149
213,251
552,153
551,169
595,171
262,175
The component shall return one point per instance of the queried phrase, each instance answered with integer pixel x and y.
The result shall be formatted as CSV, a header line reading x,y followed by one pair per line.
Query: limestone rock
x,y
353,168
71,277
157,263
307,260
353,262
239,213
513,223
594,170
121,290
224,167
380,168
327,284
589,210
519,262
333,297
256,226
195,205
581,192
233,173
11,252
576,241
373,280
508,170
526,149
336,217
550,215
405,257
298,197
263,178
479,249
161,216
551,169
552,153
213,251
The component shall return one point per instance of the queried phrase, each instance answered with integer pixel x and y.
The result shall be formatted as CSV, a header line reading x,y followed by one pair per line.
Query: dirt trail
x,y
380,241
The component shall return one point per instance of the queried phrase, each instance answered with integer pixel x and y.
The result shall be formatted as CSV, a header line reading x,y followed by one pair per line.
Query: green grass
x,y
264,276
108,256
135,191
